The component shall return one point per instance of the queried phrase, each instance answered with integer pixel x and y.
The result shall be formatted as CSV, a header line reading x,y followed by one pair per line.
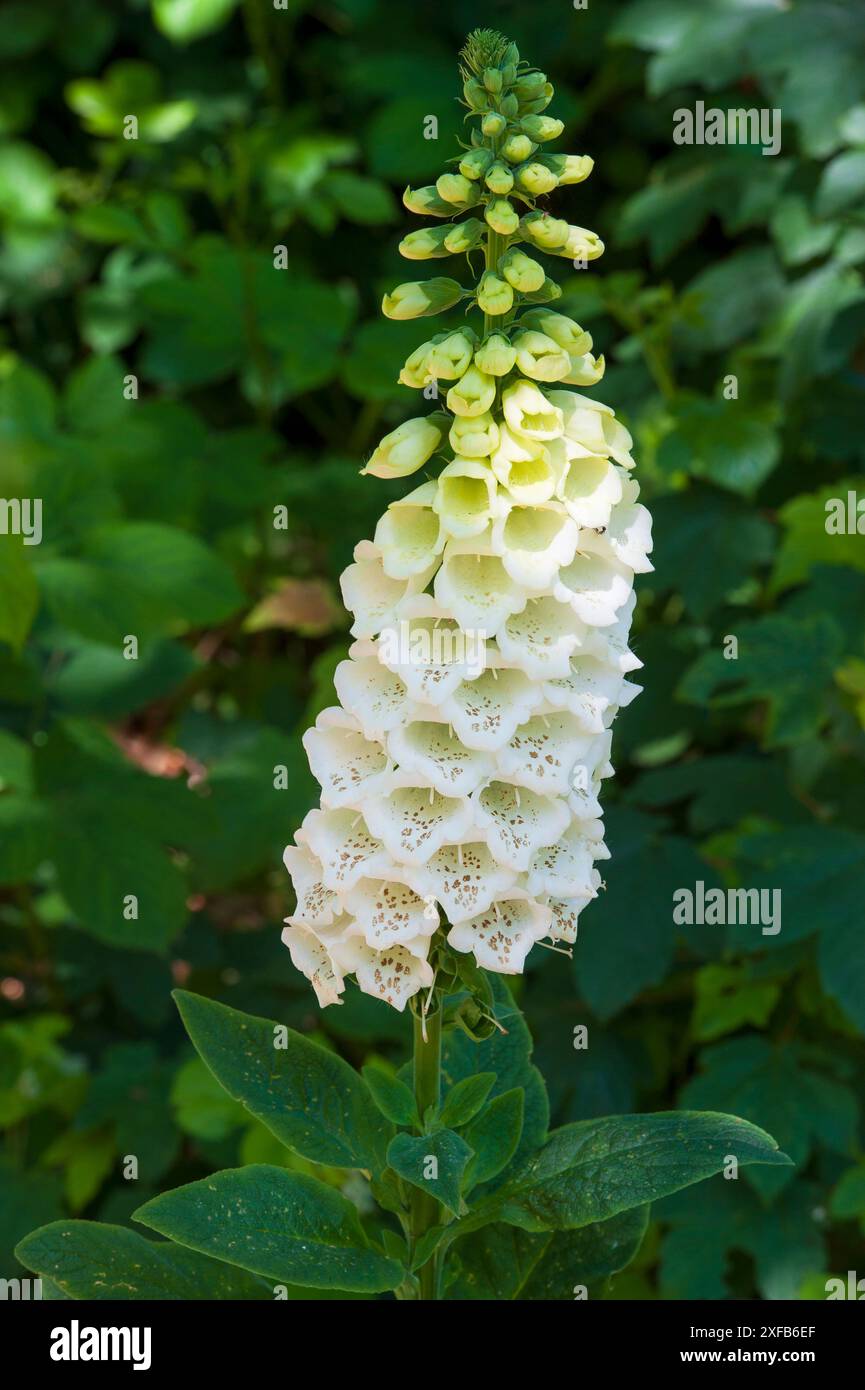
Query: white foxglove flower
x,y
461,771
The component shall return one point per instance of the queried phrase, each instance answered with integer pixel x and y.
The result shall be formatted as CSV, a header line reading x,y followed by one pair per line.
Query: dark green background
x,y
261,388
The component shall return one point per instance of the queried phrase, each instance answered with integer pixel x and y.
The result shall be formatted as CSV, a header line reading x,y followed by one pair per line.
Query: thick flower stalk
x,y
460,819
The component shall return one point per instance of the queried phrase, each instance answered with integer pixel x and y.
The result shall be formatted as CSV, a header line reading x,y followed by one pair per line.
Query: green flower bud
x,y
540,357
501,216
415,299
493,124
475,163
425,244
511,56
456,188
475,95
549,233
465,236
495,356
407,448
493,80
473,394
549,291
509,73
414,371
499,178
509,106
521,271
426,202
530,85
531,108
474,437
517,148
535,178
495,296
568,168
564,331
541,128
453,355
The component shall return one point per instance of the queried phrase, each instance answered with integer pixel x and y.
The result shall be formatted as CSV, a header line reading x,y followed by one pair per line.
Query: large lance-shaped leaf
x,y
595,1169
503,1262
308,1097
286,1226
586,1257
84,1259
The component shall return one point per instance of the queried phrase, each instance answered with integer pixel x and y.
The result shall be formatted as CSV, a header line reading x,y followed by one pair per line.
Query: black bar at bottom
x,y
284,1338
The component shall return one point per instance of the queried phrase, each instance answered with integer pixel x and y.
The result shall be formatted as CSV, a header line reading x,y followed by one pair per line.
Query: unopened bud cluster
x,y
459,808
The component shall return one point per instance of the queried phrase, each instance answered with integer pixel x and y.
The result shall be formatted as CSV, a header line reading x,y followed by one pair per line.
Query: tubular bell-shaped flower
x,y
461,772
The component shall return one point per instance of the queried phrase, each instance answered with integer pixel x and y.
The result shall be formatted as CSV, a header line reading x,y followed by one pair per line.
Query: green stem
x,y
496,244
424,1210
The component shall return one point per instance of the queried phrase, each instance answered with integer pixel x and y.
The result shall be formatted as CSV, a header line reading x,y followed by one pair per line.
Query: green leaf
x,y
494,1264
138,578
783,1239
629,943
788,1087
393,1098
464,1100
87,1160
593,1170
708,544
727,997
201,1105
129,1094
311,1099
788,664
508,1054
101,861
716,789
88,1260
848,1196
494,1137
26,1198
724,442
806,541
361,199
285,1226
443,1155
370,369
732,298
185,20
817,870
19,592
586,1258
28,183
842,183
504,1262
25,836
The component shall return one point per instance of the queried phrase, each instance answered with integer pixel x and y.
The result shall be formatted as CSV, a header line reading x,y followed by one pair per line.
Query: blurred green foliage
x,y
194,419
